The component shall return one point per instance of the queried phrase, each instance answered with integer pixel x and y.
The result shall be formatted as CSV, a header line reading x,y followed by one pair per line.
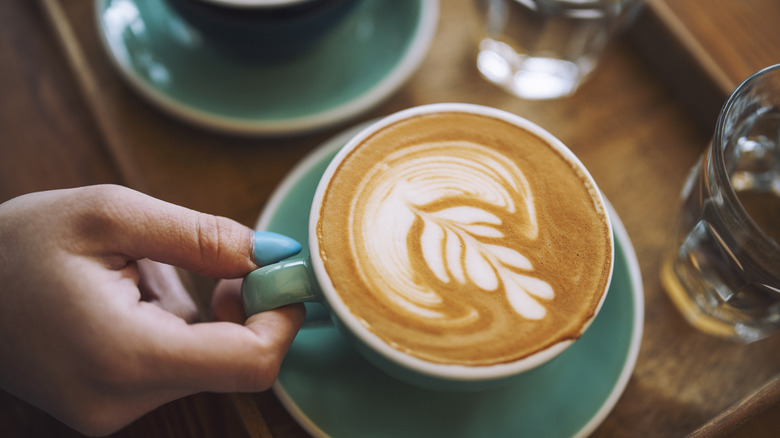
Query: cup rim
x,y
452,372
256,4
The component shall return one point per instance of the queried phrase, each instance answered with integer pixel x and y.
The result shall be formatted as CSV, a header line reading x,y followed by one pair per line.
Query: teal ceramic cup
x,y
264,30
307,279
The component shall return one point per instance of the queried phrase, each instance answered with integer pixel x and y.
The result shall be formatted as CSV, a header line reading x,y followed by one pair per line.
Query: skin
x,y
96,327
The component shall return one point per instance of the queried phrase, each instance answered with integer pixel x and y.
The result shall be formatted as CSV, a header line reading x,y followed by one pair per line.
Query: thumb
x,y
139,226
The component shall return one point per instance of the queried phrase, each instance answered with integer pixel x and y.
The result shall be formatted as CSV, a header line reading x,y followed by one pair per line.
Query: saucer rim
x,y
412,57
330,146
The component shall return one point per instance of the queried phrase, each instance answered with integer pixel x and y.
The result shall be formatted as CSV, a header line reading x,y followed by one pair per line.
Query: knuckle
x,y
209,239
260,374
98,410
100,209
97,419
217,240
258,380
113,371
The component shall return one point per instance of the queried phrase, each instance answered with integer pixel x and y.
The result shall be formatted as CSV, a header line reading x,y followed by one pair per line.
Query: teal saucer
x,y
357,65
332,391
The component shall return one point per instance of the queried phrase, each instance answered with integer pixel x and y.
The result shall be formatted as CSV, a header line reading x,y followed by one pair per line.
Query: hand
x,y
97,334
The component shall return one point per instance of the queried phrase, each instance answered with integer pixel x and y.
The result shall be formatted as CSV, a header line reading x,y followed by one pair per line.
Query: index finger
x,y
141,226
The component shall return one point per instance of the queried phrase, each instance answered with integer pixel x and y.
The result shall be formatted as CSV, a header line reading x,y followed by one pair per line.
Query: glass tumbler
x,y
722,270
544,49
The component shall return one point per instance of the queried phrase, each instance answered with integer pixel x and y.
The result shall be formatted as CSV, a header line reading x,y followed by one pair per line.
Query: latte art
x,y
464,239
448,204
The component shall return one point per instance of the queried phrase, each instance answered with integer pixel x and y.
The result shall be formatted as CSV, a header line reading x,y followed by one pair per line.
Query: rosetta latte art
x,y
452,205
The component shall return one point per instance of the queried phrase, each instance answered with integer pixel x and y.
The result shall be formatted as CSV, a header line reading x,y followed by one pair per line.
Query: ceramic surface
x,y
332,391
368,57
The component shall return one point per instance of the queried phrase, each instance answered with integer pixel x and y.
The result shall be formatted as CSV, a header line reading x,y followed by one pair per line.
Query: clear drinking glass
x,y
544,49
723,268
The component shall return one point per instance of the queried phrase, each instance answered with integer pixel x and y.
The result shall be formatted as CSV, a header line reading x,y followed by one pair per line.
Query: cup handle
x,y
287,282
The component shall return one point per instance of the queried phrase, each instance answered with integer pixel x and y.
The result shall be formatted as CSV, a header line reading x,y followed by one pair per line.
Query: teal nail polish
x,y
271,247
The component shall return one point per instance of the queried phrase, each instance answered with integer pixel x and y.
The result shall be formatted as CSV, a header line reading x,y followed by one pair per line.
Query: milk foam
x,y
464,239
464,195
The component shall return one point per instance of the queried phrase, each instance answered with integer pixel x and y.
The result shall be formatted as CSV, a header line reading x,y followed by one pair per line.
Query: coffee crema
x,y
464,239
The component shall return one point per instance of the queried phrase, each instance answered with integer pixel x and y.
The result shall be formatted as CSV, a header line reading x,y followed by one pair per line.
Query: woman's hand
x,y
97,330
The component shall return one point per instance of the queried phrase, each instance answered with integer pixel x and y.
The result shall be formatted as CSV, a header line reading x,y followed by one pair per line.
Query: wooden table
x,y
68,120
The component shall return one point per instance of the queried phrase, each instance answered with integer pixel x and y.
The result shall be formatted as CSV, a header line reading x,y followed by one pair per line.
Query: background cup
x,y
264,30
544,49
723,268
306,279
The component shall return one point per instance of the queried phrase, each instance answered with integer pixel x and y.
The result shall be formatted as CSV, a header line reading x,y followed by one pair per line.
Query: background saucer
x,y
332,391
368,57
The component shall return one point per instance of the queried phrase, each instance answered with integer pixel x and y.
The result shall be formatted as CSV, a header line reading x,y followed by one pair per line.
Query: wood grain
x,y
738,415
731,40
40,148
703,49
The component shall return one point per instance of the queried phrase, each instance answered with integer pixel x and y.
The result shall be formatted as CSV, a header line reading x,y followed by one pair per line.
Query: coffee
x,y
461,238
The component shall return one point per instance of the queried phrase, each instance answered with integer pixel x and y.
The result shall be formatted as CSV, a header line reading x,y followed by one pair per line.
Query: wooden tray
x,y
683,379
703,49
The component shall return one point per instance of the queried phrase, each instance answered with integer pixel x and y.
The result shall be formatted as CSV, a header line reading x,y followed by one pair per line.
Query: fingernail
x,y
272,247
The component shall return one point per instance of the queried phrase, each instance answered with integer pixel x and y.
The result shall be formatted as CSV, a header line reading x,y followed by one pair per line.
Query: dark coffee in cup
x,y
264,31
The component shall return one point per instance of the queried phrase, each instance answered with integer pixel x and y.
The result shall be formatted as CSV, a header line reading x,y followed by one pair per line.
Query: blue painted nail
x,y
272,247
